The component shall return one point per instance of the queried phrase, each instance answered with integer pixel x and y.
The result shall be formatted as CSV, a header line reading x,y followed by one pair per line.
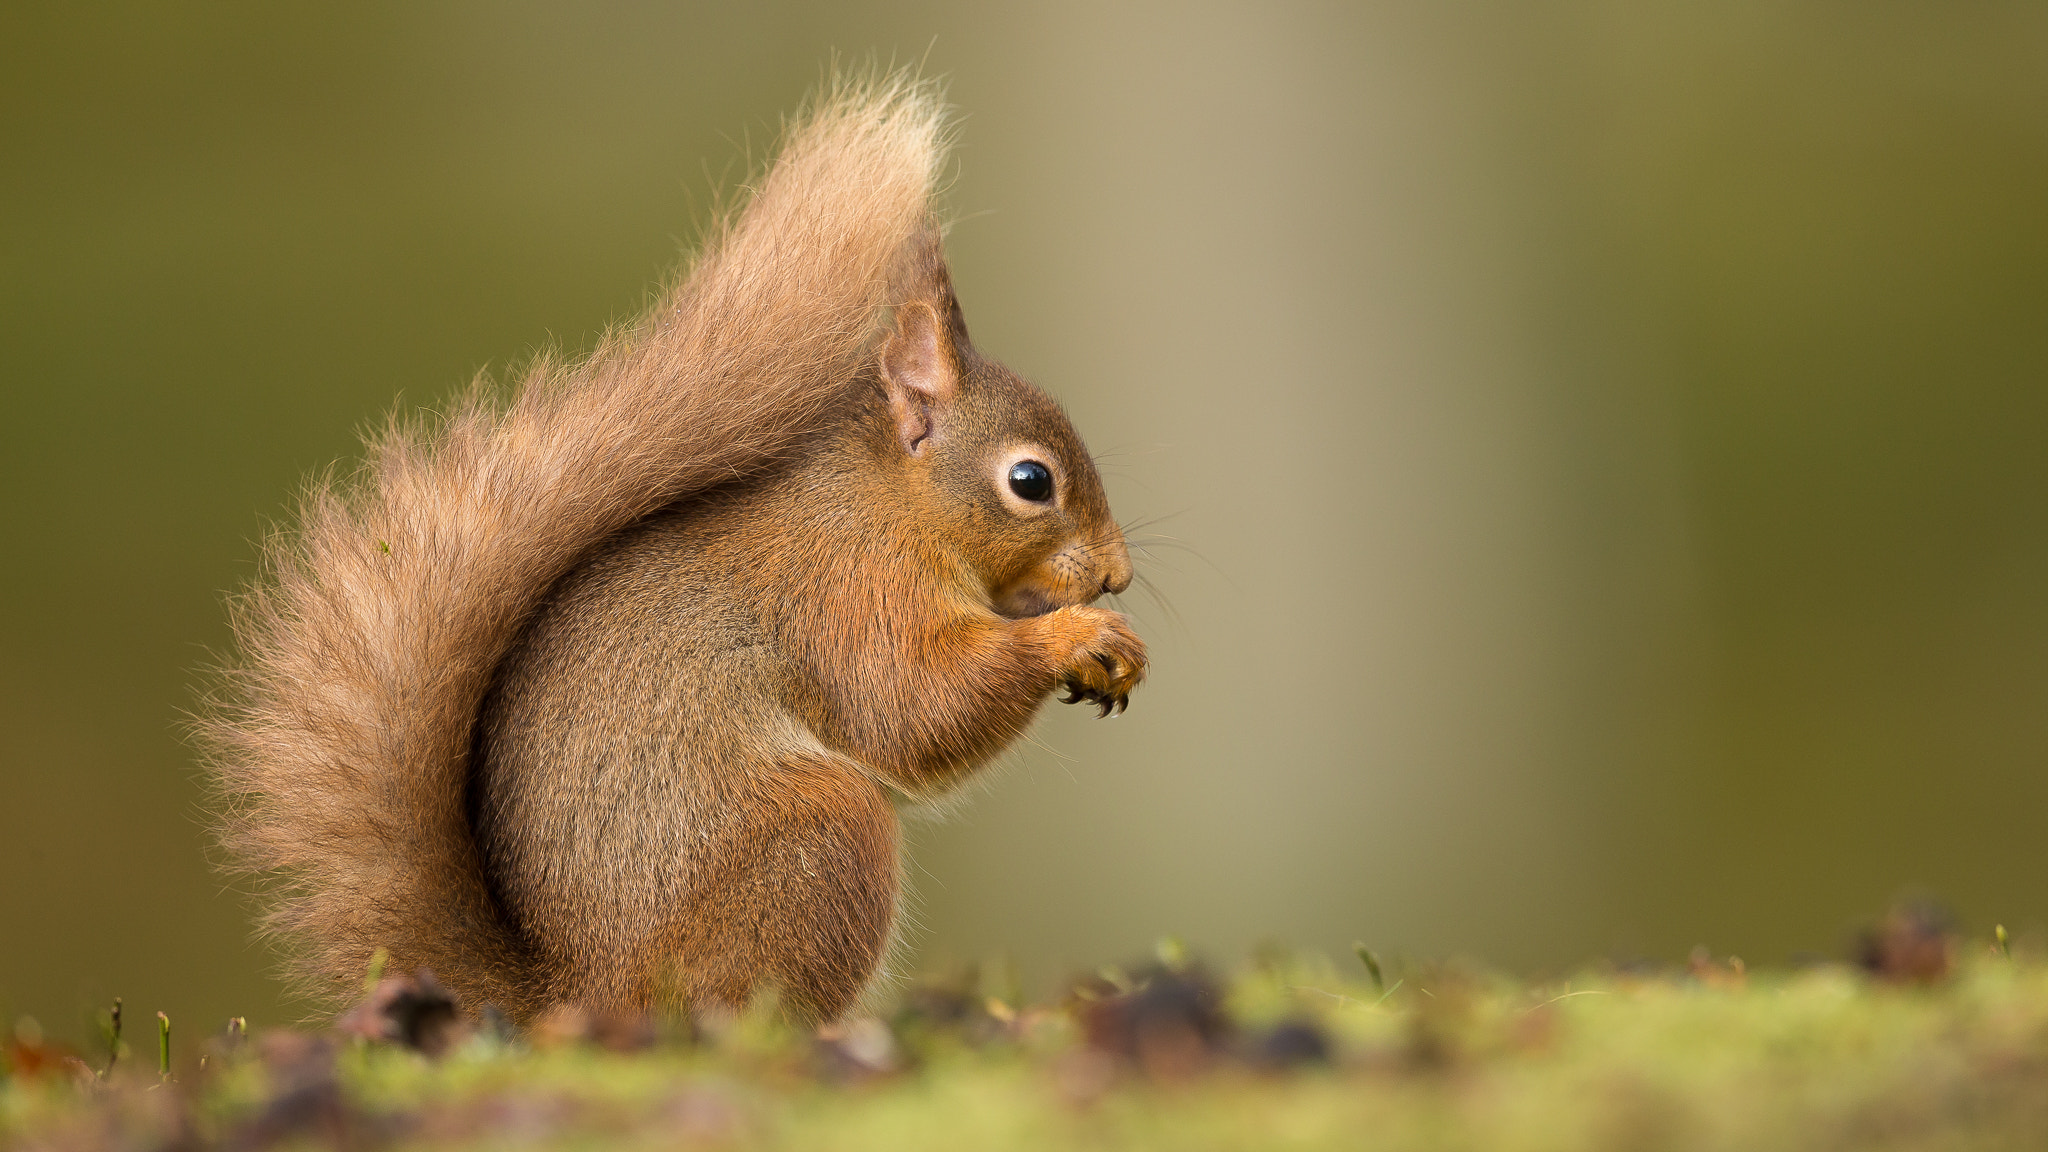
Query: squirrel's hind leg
x,y
797,893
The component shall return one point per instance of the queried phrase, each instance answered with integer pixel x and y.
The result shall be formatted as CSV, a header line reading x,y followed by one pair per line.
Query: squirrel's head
x,y
995,466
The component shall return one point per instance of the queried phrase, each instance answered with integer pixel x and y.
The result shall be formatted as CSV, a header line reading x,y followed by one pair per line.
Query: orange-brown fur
x,y
598,698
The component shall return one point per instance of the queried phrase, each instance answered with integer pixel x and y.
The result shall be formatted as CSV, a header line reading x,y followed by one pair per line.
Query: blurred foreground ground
x,y
1928,1044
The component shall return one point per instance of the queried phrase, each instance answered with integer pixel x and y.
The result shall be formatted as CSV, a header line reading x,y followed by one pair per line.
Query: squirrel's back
x,y
341,738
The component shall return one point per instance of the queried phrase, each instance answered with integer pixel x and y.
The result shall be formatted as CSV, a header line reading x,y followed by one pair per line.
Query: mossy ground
x,y
1294,1054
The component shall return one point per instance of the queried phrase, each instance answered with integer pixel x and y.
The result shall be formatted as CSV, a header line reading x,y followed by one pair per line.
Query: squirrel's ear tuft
x,y
920,370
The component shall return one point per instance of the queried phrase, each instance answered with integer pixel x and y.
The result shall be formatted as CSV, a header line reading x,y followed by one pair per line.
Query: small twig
x,y
1337,996
1343,999
113,1039
1372,964
163,1046
1565,996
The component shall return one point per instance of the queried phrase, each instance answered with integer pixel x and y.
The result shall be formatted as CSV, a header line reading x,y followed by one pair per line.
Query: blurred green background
x,y
1605,445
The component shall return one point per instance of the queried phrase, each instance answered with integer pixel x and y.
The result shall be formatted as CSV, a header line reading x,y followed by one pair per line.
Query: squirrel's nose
x,y
1116,569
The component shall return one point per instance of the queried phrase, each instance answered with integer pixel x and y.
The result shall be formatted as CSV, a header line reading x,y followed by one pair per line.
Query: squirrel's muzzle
x,y
1081,573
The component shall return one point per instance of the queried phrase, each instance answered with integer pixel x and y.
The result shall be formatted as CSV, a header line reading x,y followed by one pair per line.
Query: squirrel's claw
x,y
1105,703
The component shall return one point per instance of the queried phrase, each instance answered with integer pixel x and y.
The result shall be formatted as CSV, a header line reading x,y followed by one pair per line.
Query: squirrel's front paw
x,y
1107,660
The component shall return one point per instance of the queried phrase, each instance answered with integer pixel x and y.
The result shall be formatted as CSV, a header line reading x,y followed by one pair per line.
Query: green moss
x,y
1712,1058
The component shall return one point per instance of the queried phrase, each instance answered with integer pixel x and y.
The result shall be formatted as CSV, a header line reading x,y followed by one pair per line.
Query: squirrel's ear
x,y
921,274
920,371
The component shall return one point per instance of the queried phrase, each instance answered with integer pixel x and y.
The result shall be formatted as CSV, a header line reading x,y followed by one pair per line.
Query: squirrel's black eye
x,y
1031,480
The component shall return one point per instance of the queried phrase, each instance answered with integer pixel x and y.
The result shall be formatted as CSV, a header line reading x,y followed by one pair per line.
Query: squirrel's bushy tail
x,y
341,740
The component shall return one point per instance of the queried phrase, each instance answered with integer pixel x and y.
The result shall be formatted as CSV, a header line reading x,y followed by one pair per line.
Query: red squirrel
x,y
598,696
